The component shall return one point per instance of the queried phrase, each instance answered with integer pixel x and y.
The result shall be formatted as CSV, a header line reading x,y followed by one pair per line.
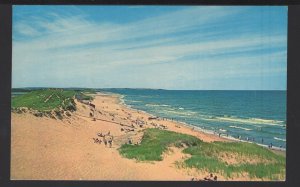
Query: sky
x,y
165,47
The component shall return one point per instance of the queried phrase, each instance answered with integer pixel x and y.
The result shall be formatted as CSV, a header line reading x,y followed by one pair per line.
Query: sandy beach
x,y
51,149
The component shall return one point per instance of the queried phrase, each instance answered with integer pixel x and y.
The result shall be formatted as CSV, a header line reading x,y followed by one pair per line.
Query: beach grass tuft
x,y
154,143
250,159
46,100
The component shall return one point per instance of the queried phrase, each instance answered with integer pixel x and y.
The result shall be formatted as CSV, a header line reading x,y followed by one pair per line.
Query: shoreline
x,y
182,128
44,148
187,125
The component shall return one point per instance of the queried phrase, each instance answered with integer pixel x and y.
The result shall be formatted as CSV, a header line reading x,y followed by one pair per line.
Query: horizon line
x,y
153,89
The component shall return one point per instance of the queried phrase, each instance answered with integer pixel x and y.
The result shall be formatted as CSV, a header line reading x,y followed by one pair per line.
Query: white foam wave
x,y
156,105
284,140
133,101
236,127
182,113
248,121
268,121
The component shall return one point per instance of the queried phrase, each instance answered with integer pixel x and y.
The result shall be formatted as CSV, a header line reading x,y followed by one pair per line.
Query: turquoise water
x,y
258,116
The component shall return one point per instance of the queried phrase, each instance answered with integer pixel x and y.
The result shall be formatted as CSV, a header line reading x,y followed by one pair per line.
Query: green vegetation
x,y
46,99
89,91
255,160
212,157
154,143
83,90
20,90
83,96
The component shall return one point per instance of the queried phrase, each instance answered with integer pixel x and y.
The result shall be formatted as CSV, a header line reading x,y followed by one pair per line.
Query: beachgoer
x,y
105,141
262,140
110,143
129,141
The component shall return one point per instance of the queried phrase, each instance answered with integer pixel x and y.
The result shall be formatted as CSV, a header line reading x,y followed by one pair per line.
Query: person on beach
x,y
104,141
100,134
129,141
262,140
110,140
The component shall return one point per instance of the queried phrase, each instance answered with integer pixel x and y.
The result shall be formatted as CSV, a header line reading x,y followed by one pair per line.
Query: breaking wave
x,y
281,139
247,120
156,105
236,127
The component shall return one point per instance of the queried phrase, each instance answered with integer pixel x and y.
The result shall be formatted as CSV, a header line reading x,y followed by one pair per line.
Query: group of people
x,y
107,139
126,130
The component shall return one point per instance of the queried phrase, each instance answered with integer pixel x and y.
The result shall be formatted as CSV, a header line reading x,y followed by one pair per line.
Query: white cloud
x,y
67,49
25,30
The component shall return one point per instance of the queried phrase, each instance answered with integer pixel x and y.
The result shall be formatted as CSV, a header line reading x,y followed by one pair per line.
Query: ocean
x,y
257,116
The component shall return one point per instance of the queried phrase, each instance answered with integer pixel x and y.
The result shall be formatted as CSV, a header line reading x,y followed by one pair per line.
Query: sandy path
x,y
49,149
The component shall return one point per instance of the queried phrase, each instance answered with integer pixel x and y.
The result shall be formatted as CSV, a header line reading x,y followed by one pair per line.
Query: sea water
x,y
257,116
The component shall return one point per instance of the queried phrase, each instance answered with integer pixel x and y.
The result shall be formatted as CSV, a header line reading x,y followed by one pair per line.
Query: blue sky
x,y
168,47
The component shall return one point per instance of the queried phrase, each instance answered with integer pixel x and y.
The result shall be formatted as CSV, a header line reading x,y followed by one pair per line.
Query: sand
x,y
49,149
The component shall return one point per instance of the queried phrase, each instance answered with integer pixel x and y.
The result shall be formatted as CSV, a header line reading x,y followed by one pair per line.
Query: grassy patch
x,y
206,156
46,99
89,91
154,143
83,96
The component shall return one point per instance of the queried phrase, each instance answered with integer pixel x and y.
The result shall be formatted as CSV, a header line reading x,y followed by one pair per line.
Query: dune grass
x,y
206,156
46,99
154,143
83,96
